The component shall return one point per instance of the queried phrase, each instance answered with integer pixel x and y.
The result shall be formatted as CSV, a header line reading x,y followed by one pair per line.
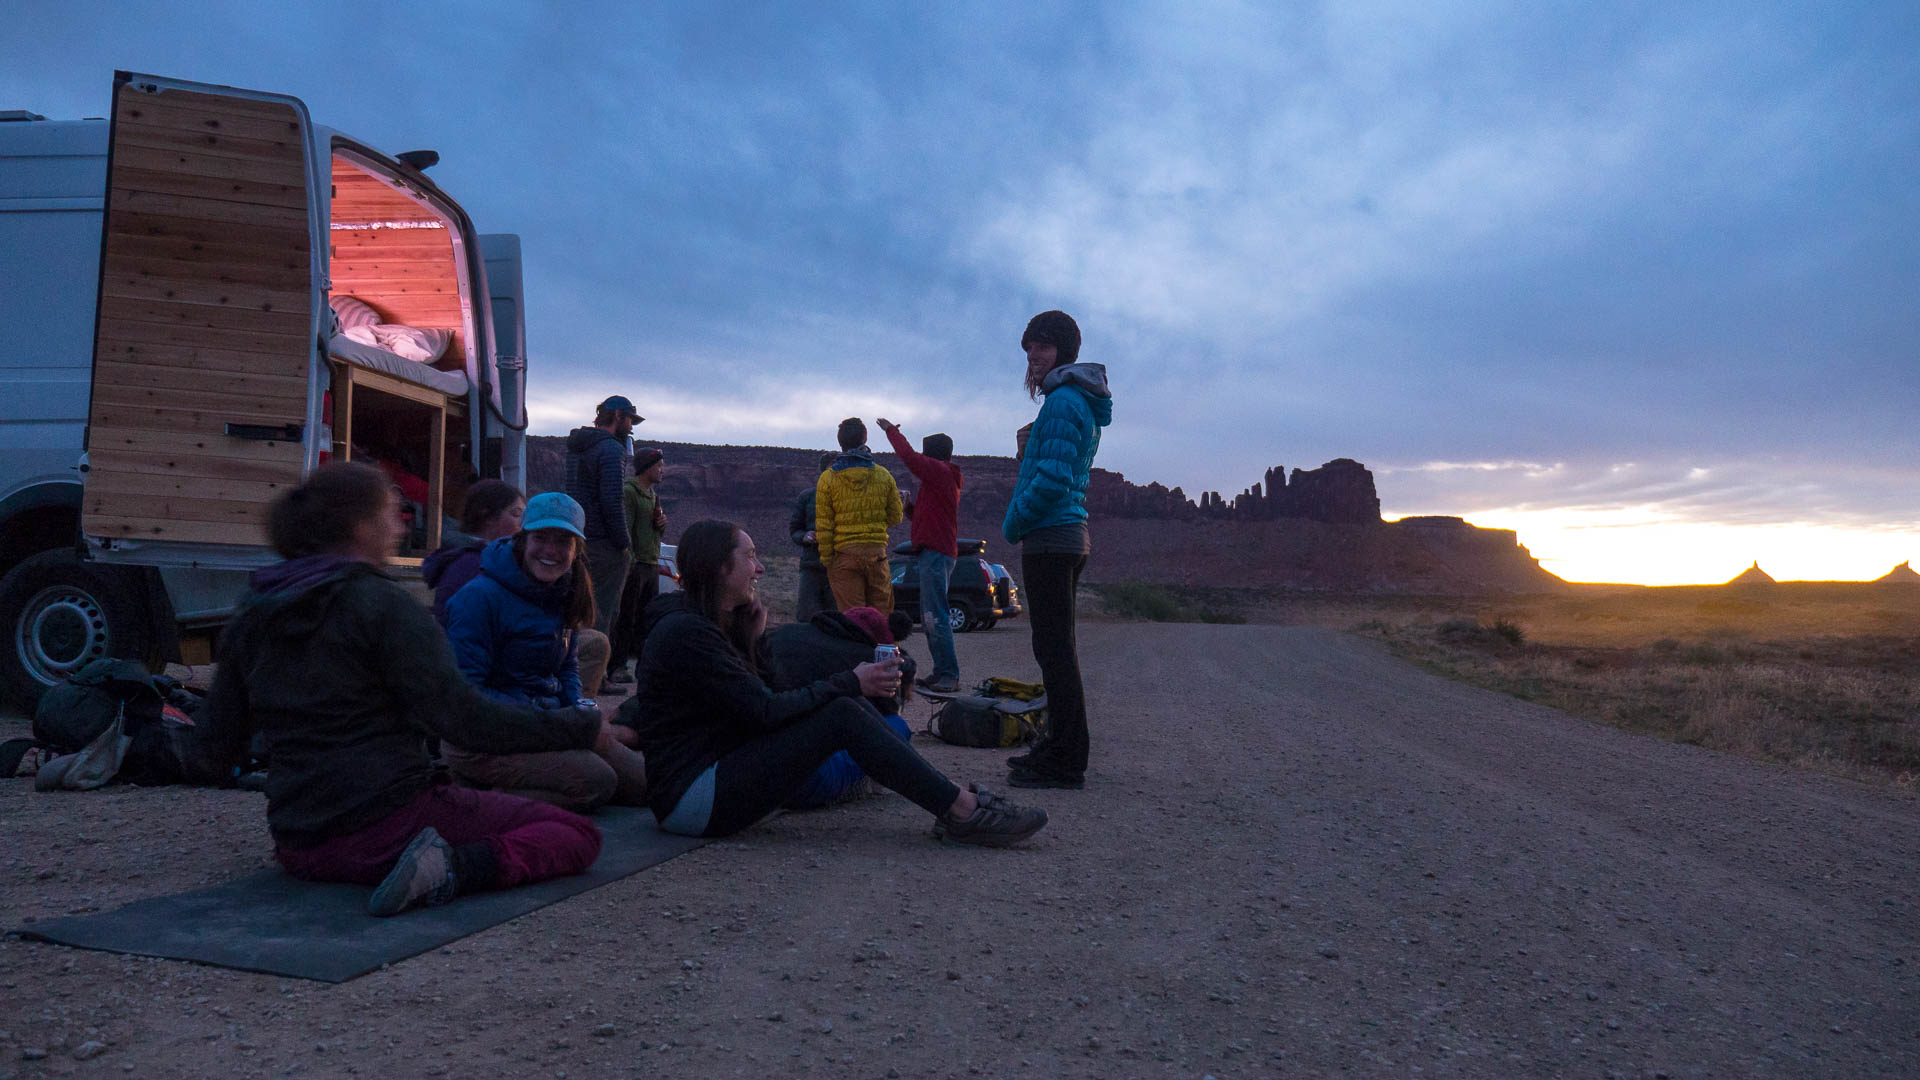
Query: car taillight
x,y
986,575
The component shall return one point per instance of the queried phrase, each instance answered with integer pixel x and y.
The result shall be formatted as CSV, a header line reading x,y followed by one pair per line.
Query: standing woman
x,y
515,630
346,675
726,751
1048,519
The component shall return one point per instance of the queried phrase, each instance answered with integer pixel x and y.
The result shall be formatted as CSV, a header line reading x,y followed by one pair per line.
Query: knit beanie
x,y
938,447
1055,328
872,622
644,459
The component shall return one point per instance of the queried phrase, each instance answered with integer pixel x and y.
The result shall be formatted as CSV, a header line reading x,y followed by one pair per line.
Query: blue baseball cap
x,y
617,405
554,510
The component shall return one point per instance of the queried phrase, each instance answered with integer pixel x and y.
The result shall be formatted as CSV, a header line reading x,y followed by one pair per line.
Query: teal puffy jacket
x,y
1058,461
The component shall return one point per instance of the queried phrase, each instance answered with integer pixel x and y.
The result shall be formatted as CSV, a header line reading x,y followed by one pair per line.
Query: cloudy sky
x,y
1640,280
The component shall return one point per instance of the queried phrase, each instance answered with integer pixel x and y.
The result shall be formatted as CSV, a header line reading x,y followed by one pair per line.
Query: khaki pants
x,y
576,780
858,577
593,650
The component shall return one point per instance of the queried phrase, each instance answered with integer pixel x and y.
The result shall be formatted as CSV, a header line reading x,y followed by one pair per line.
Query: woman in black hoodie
x,y
346,675
724,751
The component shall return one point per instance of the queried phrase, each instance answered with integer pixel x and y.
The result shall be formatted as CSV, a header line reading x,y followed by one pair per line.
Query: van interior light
x,y
353,225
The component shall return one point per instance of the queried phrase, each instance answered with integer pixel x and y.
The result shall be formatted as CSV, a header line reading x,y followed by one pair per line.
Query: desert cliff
x,y
1314,529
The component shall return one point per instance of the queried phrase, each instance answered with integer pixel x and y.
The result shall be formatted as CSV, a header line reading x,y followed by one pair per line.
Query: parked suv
x,y
973,596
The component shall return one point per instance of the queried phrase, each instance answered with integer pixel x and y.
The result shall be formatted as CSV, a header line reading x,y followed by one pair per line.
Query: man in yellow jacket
x,y
855,503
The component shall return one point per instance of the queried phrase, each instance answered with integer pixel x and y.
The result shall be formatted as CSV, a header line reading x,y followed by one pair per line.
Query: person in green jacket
x,y
646,527
854,505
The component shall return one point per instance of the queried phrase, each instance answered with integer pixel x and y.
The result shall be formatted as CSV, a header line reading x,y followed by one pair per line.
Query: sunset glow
x,y
1643,547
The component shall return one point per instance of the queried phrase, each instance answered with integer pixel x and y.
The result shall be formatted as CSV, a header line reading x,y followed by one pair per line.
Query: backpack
x,y
981,720
106,694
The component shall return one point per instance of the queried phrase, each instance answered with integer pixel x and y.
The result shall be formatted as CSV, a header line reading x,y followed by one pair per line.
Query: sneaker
x,y
940,684
1031,774
423,875
617,677
995,823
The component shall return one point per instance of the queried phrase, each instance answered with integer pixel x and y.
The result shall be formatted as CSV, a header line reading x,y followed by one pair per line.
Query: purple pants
x,y
531,841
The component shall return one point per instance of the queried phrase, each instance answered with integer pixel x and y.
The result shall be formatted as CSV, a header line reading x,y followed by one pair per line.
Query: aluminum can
x,y
884,653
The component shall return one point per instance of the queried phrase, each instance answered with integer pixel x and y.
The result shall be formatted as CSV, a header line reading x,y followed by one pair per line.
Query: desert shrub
x,y
1510,631
1139,600
1210,614
1704,655
1372,626
1666,646
1458,628
1501,633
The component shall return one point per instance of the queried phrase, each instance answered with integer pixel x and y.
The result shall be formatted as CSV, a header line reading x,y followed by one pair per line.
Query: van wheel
x,y
60,613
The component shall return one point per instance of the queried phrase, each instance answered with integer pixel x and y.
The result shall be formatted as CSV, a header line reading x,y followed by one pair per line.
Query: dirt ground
x,y
1295,856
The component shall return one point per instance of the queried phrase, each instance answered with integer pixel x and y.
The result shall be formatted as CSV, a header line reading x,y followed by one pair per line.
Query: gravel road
x,y
1295,856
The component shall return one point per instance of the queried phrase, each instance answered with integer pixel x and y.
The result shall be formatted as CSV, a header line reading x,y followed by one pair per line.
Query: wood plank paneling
x,y
118,281
185,185
175,112
169,313
200,230
180,485
169,204
276,172
216,256
177,444
189,532
177,508
182,381
154,409
188,465
283,343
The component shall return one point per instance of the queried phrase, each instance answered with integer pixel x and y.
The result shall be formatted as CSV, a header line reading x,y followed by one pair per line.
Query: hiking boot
x,y
1034,754
422,876
1035,774
994,823
940,684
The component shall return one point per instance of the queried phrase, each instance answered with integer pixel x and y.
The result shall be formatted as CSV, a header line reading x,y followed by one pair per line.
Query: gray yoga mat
x,y
273,923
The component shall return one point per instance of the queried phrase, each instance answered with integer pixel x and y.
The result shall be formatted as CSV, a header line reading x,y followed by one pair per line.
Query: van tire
x,y
59,613
961,617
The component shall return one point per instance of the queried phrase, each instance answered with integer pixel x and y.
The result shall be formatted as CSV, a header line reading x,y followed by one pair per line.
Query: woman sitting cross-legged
x,y
725,751
347,675
514,630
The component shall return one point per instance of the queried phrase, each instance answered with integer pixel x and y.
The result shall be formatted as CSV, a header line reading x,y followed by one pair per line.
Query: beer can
x,y
884,653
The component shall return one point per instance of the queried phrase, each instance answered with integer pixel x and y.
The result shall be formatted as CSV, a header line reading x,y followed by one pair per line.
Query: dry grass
x,y
1822,676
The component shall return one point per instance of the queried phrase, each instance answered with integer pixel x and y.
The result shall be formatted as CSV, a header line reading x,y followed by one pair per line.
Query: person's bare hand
x,y
879,680
611,733
755,614
809,538
885,424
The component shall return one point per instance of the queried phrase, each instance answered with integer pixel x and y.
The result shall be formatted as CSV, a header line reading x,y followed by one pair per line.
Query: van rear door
x,y
204,379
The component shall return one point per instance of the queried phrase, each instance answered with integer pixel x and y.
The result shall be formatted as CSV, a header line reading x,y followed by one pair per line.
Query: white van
x,y
170,360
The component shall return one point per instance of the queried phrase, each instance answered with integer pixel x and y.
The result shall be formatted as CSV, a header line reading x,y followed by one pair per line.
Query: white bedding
x,y
450,383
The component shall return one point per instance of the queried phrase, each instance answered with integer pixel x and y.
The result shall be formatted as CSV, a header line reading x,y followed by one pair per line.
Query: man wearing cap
x,y
815,595
935,511
646,527
596,458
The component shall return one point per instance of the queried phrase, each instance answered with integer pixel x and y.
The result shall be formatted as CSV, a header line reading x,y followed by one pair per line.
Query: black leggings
x,y
758,778
1050,581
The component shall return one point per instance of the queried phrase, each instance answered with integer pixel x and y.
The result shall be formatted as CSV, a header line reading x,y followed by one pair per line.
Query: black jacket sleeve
x,y
220,735
417,664
613,517
800,522
728,684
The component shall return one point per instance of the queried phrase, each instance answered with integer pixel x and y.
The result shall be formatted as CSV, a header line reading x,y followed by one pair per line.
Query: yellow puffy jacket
x,y
854,503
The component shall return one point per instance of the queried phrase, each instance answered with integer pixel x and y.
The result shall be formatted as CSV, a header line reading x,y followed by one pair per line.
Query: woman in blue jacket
x,y
1047,517
515,634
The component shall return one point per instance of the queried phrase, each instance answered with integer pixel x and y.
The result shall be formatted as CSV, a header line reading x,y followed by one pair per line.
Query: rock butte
x,y
1316,529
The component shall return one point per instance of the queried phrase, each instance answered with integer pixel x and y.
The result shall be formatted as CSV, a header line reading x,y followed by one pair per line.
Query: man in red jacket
x,y
936,528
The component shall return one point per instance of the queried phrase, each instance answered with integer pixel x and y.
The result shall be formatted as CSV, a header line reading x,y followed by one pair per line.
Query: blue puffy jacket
x,y
1058,462
509,636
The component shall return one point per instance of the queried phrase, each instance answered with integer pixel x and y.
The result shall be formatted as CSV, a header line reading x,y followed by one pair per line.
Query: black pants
x,y
758,778
815,595
643,584
1050,582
